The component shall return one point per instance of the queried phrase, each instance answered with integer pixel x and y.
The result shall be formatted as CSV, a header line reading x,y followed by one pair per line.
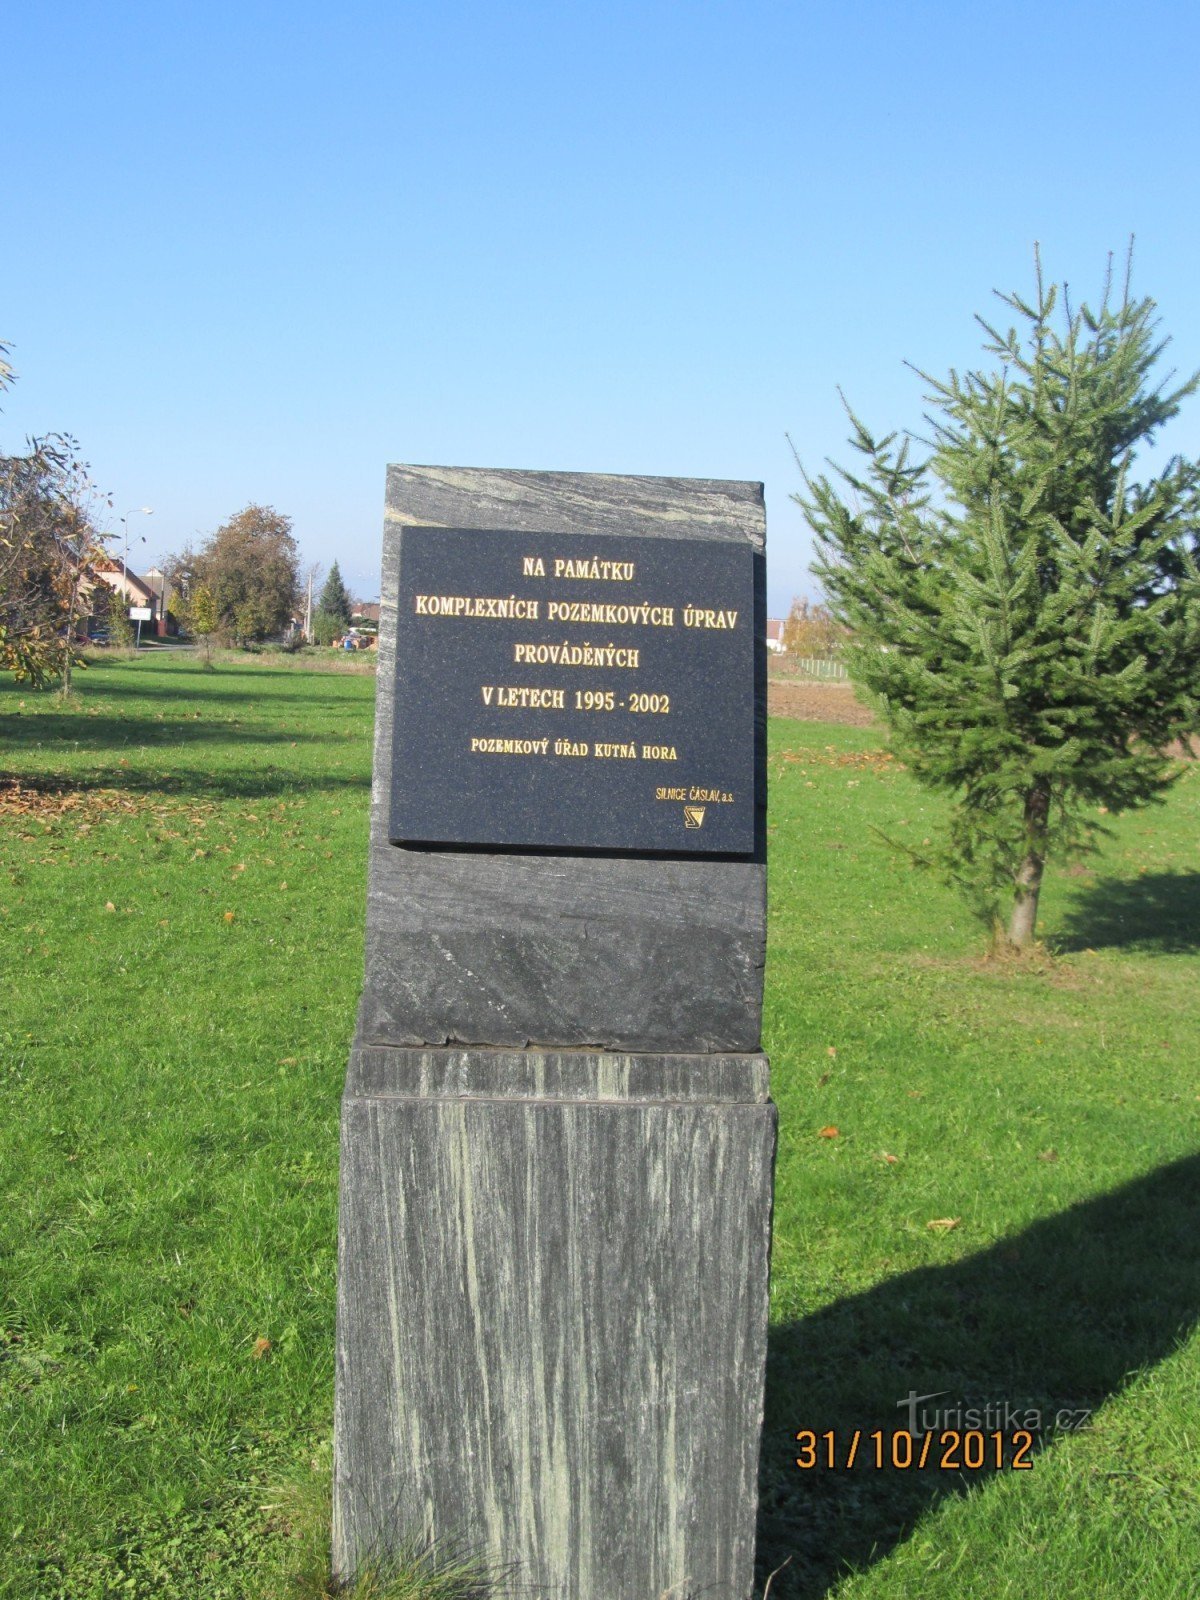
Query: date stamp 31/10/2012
x,y
940,1450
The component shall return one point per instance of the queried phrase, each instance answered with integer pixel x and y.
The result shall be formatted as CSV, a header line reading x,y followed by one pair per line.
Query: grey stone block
x,y
552,1317
379,1071
557,1149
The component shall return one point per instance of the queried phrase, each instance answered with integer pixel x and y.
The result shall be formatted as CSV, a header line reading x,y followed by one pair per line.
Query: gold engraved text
x,y
695,617
576,655
609,571
540,699
510,747
720,797
476,605
646,616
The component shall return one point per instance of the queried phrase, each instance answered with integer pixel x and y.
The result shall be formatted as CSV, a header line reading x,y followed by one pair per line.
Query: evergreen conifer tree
x,y
1025,615
335,598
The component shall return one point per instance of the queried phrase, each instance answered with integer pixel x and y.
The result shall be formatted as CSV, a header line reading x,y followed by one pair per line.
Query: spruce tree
x,y
1025,615
335,598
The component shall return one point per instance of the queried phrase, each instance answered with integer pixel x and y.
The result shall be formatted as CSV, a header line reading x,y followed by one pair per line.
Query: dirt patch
x,y
805,701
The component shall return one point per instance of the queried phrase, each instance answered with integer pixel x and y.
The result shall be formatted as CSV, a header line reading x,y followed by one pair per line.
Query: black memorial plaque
x,y
562,691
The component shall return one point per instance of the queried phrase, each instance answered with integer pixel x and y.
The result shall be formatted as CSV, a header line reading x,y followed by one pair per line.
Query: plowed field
x,y
806,701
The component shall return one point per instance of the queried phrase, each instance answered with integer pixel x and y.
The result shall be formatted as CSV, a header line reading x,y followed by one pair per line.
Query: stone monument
x,y
557,1136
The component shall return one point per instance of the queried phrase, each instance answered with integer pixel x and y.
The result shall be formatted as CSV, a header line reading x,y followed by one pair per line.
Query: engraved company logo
x,y
693,816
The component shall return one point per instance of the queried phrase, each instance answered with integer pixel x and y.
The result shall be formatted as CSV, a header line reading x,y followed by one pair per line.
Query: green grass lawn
x,y
182,875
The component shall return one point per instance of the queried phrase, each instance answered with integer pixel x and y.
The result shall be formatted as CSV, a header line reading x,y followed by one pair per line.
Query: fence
x,y
817,667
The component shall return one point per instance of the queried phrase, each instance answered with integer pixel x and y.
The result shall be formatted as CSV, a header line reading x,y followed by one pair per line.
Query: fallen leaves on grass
x,y
260,1348
829,1133
943,1224
1048,1155
857,760
48,800
886,1155
229,916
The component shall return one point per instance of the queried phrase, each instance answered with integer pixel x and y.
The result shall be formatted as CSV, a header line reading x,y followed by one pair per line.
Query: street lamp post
x,y
145,511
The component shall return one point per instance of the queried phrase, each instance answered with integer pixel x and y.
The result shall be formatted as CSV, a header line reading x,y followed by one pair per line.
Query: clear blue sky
x,y
256,251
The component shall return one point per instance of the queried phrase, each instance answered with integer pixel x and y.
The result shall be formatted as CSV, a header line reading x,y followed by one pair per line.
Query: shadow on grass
x,y
237,755
257,782
71,732
186,665
1055,1318
229,688
1155,911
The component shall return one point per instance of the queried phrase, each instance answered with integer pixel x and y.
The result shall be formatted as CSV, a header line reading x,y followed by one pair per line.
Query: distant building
x,y
775,636
149,591
125,581
367,612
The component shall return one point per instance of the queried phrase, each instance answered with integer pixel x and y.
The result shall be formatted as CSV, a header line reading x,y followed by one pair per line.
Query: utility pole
x,y
145,511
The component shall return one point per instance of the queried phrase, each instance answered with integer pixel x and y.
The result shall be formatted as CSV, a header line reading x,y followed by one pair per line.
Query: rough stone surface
x,y
552,1317
379,1071
468,947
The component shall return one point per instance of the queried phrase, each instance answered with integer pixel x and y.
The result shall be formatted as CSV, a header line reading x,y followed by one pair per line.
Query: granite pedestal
x,y
557,1149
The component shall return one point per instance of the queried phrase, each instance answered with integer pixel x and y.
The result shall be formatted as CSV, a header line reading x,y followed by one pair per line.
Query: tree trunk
x,y
1029,876
70,639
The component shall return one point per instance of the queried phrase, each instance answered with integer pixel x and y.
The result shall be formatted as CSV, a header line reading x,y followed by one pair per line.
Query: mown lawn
x,y
181,905
1050,1111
